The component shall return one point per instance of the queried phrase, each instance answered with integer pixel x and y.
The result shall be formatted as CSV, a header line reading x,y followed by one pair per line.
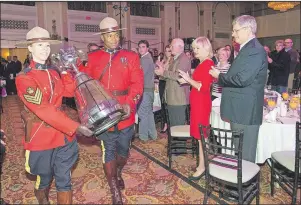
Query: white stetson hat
x,y
37,34
108,25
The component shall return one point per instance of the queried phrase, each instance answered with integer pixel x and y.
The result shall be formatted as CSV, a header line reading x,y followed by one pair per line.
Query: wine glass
x,y
293,105
271,104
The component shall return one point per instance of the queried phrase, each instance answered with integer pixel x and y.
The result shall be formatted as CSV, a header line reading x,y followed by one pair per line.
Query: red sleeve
x,y
136,82
207,79
69,84
32,97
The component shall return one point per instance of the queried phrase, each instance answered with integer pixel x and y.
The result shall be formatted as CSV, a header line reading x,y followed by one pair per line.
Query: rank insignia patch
x,y
33,96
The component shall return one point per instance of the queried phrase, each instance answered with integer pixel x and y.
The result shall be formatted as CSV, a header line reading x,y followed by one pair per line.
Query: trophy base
x,y
108,123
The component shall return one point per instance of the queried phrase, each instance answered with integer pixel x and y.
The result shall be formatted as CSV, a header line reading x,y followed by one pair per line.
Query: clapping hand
x,y
184,75
214,72
160,69
182,81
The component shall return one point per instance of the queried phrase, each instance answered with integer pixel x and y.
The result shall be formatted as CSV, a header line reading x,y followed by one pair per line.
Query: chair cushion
x,y
249,170
180,131
286,159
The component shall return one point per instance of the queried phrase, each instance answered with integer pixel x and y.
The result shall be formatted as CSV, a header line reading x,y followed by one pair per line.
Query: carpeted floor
x,y
146,177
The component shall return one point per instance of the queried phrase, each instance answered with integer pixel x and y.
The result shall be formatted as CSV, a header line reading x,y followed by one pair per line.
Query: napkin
x,y
271,116
216,102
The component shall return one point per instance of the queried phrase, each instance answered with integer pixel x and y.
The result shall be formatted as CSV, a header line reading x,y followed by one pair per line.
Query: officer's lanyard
x,y
51,85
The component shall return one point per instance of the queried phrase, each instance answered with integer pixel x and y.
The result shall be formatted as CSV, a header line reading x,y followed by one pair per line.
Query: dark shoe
x,y
192,178
111,175
121,162
42,195
64,197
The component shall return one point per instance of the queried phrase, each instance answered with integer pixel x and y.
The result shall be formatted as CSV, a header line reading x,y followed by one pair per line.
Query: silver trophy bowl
x,y
96,109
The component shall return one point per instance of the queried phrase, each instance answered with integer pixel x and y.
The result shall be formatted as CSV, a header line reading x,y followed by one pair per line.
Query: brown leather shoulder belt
x,y
119,92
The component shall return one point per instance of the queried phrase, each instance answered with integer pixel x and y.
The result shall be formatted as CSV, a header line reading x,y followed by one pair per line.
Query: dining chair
x,y
285,168
179,140
293,91
234,179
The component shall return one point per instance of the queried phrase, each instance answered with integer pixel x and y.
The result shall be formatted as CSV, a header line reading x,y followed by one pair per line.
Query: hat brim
x,y
27,43
108,31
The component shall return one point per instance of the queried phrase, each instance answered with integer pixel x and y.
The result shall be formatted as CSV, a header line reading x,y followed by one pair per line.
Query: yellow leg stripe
x,y
27,167
38,182
103,151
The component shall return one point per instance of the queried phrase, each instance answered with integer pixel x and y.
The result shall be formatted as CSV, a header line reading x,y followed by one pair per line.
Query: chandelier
x,y
282,6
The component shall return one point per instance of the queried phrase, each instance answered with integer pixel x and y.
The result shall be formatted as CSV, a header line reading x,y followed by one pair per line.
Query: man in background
x,y
243,85
18,64
10,75
177,96
147,127
295,60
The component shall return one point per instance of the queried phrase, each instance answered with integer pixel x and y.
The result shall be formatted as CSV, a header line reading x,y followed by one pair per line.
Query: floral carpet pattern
x,y
147,182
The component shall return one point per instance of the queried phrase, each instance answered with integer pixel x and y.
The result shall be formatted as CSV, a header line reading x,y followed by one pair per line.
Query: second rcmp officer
x,y
50,142
119,72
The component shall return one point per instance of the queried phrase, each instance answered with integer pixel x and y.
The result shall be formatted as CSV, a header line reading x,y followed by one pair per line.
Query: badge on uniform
x,y
123,60
33,95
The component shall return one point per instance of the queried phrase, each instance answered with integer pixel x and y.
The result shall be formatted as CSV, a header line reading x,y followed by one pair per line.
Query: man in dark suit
x,y
10,75
18,64
243,85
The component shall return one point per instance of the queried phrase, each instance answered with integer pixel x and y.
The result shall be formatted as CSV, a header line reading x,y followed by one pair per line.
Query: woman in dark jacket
x,y
279,66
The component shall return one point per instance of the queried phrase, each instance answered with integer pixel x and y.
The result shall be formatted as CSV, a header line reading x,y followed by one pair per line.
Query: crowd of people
x,y
188,80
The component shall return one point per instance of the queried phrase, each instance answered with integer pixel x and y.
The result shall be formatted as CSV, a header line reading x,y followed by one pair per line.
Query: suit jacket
x,y
9,68
243,86
279,68
177,94
18,66
294,59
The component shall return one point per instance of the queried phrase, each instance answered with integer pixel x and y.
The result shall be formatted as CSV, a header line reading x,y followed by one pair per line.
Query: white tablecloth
x,y
272,136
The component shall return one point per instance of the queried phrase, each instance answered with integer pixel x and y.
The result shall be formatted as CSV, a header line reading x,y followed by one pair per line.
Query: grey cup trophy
x,y
95,107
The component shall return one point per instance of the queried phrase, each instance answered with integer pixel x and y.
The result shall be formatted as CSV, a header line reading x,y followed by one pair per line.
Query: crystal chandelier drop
x,y
282,6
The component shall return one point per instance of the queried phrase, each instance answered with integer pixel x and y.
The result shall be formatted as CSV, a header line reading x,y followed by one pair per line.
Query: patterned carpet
x,y
147,180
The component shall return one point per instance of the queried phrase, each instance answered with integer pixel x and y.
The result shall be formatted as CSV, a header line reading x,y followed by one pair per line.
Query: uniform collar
x,y
111,51
37,65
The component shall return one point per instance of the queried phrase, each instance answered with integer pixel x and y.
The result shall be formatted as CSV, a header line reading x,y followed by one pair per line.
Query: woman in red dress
x,y
200,97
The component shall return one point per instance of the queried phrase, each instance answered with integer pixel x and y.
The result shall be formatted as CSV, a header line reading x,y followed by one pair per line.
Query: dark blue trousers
x,y
51,163
117,142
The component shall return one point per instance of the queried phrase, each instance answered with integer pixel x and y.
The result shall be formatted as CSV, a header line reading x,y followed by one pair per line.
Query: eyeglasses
x,y
288,42
168,51
236,30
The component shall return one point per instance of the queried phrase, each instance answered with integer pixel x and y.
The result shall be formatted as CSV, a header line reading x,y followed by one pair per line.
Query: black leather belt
x,y
119,92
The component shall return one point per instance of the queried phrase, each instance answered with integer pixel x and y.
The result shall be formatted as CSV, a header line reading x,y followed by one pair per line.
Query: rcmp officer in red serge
x,y
119,72
50,143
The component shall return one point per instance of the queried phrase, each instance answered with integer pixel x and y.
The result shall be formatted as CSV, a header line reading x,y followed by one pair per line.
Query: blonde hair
x,y
204,43
226,50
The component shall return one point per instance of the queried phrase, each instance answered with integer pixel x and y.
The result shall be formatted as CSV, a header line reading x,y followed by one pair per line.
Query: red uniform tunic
x,y
125,73
34,89
200,101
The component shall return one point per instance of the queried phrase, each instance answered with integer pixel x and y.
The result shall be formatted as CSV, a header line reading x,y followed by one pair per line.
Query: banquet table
x,y
272,137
